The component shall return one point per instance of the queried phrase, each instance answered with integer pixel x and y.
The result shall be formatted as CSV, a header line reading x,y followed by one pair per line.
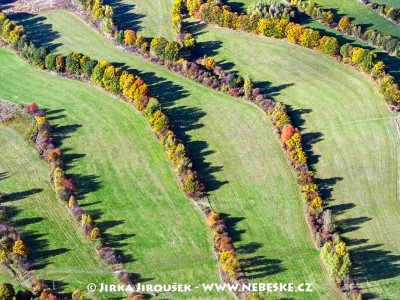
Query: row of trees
x,y
385,10
14,255
64,186
271,9
362,59
319,218
384,42
102,16
66,189
176,12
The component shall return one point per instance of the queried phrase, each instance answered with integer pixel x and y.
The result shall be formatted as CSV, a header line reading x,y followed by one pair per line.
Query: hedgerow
x,y
360,58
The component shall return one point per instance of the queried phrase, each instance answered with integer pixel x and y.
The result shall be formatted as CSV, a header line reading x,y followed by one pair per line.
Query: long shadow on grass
x,y
15,196
124,17
86,184
184,120
40,33
35,241
392,62
4,175
5,4
255,266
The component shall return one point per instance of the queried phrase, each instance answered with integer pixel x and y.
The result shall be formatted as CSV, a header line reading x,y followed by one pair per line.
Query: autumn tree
x,y
328,45
344,24
309,38
230,263
248,87
86,220
95,233
130,37
72,202
157,46
20,249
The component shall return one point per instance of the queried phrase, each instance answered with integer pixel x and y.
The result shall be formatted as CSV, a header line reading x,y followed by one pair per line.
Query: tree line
x,y
384,42
360,58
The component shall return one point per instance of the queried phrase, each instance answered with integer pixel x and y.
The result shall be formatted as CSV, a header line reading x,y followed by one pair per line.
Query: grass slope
x,y
358,13
237,154
45,225
354,144
125,181
361,15
138,14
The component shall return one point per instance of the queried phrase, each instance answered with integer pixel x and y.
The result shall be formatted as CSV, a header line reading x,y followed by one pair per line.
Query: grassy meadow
x,y
124,181
240,160
353,146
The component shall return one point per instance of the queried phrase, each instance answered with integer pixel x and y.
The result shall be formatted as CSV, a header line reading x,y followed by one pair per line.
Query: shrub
x,y
213,218
6,291
108,255
63,194
230,263
95,233
20,249
50,62
129,37
159,121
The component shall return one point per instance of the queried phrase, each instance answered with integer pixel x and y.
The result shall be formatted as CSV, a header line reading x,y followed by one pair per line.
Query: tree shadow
x,y
269,90
231,225
372,263
4,175
58,286
351,224
392,62
63,132
325,186
237,7
86,184
137,278
40,33
249,248
259,266
6,4
21,195
194,27
124,16
186,119
115,241
209,48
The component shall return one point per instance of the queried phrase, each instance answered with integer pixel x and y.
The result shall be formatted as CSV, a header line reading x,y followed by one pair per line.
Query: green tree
x,y
248,87
345,269
172,51
7,291
119,37
50,62
158,45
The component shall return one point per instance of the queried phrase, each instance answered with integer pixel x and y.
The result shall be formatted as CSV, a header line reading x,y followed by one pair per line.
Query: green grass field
x,y
240,159
125,181
354,144
361,15
45,225
134,14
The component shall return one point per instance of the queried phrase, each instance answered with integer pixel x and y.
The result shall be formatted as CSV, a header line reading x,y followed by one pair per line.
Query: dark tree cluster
x,y
102,16
385,10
